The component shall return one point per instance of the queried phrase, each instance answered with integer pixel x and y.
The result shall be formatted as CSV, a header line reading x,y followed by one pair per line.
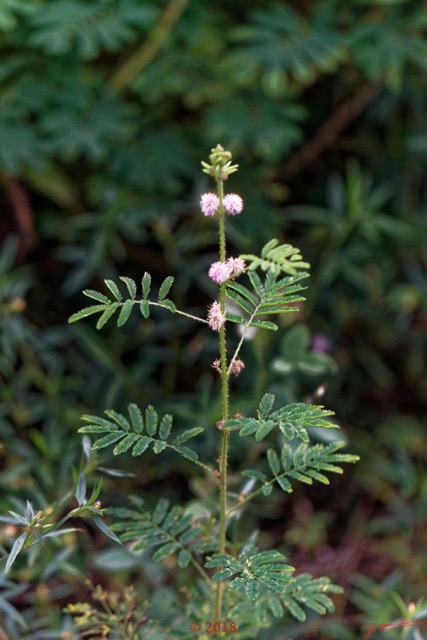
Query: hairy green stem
x,y
225,409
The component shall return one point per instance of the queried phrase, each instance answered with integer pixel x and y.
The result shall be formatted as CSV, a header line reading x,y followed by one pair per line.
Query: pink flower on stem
x,y
209,204
237,366
233,204
215,317
237,265
220,272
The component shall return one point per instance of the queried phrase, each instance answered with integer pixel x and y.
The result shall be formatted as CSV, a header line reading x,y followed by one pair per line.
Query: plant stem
x,y
224,398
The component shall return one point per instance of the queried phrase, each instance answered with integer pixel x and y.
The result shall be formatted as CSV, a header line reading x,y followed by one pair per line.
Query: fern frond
x,y
65,24
284,45
252,571
276,259
171,529
293,420
109,306
304,464
139,433
272,296
303,592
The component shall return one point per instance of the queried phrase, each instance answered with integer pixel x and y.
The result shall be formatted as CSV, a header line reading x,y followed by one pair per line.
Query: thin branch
x,y
331,129
145,54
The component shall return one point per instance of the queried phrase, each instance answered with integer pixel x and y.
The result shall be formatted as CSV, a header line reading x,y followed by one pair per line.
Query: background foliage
x,y
106,108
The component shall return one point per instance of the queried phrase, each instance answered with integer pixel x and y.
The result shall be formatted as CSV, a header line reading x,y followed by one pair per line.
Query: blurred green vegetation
x,y
106,109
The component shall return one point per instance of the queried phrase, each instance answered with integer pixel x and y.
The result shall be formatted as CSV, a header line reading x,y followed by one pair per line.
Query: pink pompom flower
x,y
219,272
237,366
233,204
237,265
209,204
215,317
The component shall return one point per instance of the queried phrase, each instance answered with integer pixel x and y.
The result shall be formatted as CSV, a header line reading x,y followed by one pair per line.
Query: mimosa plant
x,y
238,588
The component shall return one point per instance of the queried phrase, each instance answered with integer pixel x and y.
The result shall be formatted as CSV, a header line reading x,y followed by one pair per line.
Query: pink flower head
x,y
233,204
236,265
237,366
220,272
209,204
215,317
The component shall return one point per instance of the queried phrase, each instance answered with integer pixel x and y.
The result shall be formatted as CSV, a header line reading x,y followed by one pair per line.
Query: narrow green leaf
x,y
171,306
110,438
294,609
232,317
271,308
312,473
256,283
186,435
160,511
253,473
81,490
146,285
142,444
17,546
286,457
188,453
275,607
114,289
130,284
165,288
284,483
159,446
95,295
105,529
243,291
96,491
267,489
264,324
102,422
87,311
273,461
238,299
145,308
165,426
151,420
118,418
165,551
250,426
125,444
125,312
266,405
301,477
252,590
184,558
109,311
265,427
136,417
